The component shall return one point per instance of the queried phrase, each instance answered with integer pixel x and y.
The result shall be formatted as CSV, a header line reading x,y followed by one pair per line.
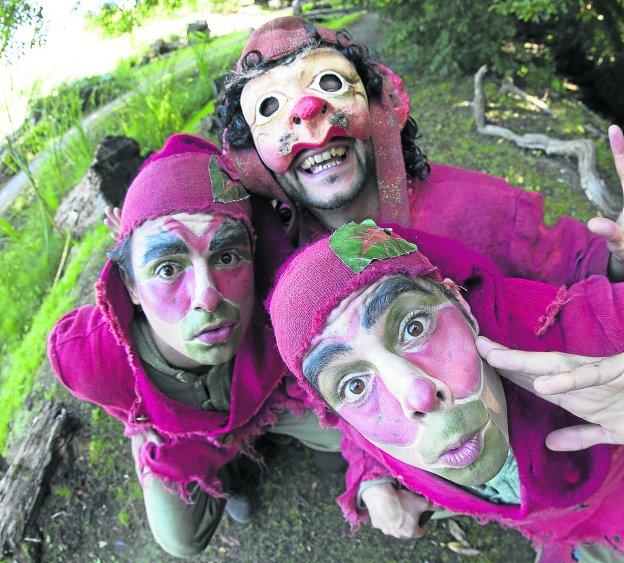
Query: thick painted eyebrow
x,y
229,236
315,363
162,244
378,301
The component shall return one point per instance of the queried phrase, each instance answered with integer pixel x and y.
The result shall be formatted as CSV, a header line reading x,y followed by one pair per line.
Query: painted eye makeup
x,y
354,387
227,259
168,271
414,328
330,82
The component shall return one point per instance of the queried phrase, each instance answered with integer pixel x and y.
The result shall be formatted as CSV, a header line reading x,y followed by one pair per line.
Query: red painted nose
x,y
421,396
306,108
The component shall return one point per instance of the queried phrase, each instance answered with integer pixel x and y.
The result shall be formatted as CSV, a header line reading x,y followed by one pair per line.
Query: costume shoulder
x,y
506,224
88,360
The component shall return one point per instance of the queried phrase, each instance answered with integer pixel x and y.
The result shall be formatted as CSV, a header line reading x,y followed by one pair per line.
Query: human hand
x,y
590,388
613,231
137,441
395,512
112,220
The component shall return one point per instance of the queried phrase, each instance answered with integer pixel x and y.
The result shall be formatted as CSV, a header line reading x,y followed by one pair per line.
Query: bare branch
x,y
583,150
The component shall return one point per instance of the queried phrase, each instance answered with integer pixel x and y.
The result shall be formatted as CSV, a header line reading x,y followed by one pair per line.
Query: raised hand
x,y
613,231
112,220
590,388
396,512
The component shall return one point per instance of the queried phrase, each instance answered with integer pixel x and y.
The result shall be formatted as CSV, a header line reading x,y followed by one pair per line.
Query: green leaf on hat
x,y
357,245
224,190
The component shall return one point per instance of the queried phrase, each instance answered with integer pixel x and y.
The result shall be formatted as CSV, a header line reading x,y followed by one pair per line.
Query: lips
x,y
215,334
464,453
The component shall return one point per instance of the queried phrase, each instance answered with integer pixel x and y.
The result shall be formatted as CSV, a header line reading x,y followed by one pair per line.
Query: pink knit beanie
x,y
314,281
188,175
282,37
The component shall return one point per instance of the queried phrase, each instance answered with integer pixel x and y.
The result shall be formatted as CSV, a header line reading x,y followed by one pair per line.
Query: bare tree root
x,y
582,149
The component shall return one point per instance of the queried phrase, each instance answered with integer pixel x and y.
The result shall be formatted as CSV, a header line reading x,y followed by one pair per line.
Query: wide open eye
x,y
168,271
227,259
329,82
354,388
268,106
414,328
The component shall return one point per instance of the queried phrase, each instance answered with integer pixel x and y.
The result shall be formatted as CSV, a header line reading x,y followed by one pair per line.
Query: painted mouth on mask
x,y
465,452
216,334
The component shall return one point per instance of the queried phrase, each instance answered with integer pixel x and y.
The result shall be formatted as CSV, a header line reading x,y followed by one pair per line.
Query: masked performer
x,y
176,347
312,121
386,350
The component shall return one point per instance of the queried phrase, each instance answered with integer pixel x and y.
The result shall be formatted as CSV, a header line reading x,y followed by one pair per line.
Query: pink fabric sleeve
x,y
88,361
562,254
506,224
362,467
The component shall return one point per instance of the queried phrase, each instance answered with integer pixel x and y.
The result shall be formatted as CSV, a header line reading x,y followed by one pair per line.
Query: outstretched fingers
x,y
574,438
616,140
597,372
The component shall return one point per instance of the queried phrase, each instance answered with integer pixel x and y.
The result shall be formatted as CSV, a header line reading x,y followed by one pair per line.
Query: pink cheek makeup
x,y
450,354
170,302
235,285
380,417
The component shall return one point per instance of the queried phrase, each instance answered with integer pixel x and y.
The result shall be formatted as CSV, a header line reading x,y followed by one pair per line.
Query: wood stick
x,y
24,485
583,150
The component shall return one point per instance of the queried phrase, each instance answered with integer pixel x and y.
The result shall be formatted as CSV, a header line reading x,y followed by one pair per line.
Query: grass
x,y
25,358
30,248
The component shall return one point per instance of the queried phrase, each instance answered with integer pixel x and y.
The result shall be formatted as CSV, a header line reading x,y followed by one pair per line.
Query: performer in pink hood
x,y
312,121
177,347
386,351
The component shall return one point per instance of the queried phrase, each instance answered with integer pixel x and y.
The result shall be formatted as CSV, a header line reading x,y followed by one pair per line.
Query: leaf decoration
x,y
224,190
357,245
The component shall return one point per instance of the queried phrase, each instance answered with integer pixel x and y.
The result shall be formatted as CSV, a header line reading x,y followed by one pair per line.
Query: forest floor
x,y
94,510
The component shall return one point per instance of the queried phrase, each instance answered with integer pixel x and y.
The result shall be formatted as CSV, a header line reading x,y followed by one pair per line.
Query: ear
x,y
454,289
134,297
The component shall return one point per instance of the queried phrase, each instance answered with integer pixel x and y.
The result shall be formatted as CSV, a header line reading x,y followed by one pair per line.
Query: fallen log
x,y
583,150
24,485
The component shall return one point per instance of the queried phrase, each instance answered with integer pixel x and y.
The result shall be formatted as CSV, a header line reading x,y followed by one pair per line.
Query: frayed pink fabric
x,y
565,497
91,352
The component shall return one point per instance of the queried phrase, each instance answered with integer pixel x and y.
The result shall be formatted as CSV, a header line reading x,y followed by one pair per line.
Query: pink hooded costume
x,y
91,349
566,498
485,213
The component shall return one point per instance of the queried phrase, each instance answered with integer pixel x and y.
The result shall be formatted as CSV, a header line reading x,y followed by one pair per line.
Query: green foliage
x,y
117,17
445,38
18,19
23,357
584,39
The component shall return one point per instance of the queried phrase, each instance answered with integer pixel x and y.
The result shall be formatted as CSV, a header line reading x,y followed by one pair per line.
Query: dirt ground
x,y
94,509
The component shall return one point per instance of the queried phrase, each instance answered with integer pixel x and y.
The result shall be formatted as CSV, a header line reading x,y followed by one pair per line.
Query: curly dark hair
x,y
229,115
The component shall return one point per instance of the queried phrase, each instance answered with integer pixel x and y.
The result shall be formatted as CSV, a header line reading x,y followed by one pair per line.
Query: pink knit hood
x,y
565,497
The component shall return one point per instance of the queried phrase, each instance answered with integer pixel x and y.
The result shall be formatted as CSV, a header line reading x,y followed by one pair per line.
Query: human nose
x,y
416,391
307,108
206,296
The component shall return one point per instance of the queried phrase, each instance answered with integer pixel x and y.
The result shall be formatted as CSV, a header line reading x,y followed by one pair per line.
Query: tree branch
x,y
582,149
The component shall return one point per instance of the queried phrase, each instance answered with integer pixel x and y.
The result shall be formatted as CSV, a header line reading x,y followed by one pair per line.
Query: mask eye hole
x,y
268,106
329,83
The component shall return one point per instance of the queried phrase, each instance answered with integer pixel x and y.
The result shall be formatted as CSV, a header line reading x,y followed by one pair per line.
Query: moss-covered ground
x,y
94,510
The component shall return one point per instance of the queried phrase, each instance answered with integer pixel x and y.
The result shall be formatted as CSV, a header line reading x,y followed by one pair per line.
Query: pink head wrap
x,y
284,36
313,282
181,178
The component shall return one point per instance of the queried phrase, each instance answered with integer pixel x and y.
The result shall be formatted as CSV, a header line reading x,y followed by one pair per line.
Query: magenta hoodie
x,y
91,352
565,497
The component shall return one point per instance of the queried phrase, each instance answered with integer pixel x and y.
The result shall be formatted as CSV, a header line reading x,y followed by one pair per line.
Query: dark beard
x,y
295,191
